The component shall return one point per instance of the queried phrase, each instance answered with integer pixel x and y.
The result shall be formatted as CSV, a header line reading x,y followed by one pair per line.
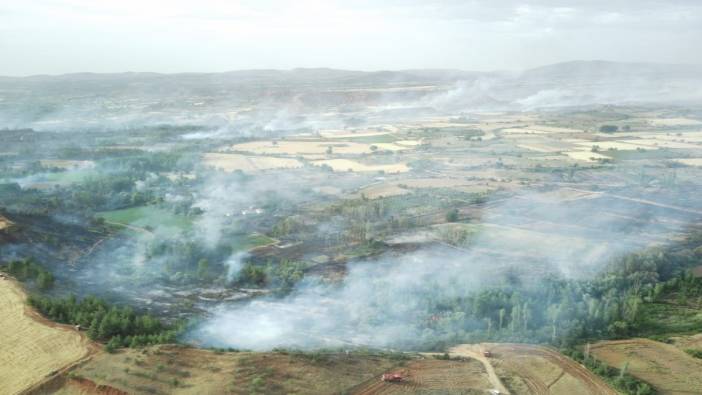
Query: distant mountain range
x,y
27,100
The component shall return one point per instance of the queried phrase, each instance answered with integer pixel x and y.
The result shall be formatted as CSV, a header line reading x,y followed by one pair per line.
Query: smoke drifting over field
x,y
393,299
387,302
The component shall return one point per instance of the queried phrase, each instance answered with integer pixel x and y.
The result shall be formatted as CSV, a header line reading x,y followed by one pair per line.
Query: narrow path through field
x,y
474,351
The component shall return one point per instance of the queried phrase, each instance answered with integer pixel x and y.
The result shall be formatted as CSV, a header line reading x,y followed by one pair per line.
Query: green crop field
x,y
144,216
247,242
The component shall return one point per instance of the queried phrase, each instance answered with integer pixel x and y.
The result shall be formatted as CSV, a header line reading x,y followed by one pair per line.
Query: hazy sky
x,y
61,36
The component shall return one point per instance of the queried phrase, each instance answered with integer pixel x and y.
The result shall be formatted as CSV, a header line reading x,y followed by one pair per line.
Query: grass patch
x,y
641,154
146,217
247,242
69,176
666,318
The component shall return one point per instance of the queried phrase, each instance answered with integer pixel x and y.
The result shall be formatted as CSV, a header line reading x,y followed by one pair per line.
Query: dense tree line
x,y
118,326
28,270
565,312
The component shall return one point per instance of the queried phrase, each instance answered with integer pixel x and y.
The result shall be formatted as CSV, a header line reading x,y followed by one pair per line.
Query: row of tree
x,y
119,326
28,270
564,312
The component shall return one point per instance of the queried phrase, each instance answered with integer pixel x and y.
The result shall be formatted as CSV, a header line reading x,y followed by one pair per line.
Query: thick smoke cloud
x,y
383,302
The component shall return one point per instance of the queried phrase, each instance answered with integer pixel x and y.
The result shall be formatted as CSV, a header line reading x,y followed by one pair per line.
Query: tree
x,y
526,315
113,344
203,268
452,215
516,310
45,280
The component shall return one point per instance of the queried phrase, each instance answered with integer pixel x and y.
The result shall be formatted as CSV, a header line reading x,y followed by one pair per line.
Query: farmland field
x,y
312,147
233,162
340,165
185,370
67,164
670,370
432,376
32,348
541,370
4,223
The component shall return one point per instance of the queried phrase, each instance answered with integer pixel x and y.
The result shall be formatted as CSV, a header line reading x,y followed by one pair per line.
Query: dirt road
x,y
475,351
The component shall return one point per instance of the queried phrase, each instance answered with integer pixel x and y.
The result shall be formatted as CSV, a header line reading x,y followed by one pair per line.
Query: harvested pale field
x,y
614,145
350,165
586,156
294,148
440,125
670,370
689,342
687,137
566,195
31,348
532,369
341,134
467,161
67,164
546,157
488,136
663,143
483,188
509,131
543,147
434,182
390,146
408,143
554,129
233,162
4,223
382,190
690,161
396,188
432,376
677,135
674,122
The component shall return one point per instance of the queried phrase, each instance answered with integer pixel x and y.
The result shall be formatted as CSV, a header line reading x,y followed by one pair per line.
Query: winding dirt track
x,y
590,383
